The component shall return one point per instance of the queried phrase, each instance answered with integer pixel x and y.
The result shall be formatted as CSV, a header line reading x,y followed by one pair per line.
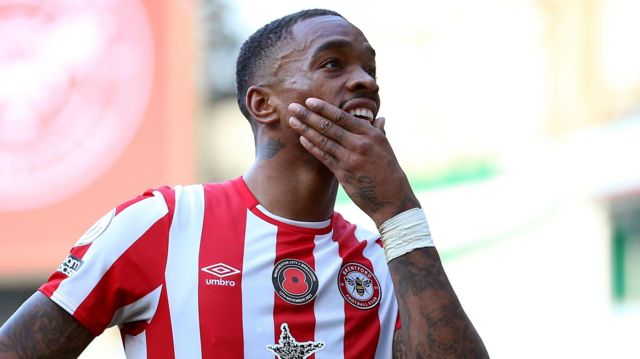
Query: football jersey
x,y
204,271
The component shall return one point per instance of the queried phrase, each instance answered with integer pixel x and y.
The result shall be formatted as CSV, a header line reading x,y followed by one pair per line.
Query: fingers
x,y
322,125
379,124
316,139
318,153
337,116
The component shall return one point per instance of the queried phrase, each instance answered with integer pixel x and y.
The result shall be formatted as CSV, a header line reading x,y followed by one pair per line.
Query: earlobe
x,y
260,105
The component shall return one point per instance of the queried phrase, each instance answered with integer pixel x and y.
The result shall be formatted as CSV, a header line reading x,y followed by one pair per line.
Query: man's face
x,y
330,59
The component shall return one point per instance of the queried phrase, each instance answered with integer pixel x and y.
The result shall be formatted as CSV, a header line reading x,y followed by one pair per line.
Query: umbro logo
x,y
221,271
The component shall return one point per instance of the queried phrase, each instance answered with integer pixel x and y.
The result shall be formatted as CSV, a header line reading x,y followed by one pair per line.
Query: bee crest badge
x,y
359,286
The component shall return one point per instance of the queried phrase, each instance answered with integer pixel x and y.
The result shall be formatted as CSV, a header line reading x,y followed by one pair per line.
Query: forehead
x,y
316,32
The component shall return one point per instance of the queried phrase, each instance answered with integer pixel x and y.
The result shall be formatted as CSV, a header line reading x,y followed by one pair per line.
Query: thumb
x,y
379,124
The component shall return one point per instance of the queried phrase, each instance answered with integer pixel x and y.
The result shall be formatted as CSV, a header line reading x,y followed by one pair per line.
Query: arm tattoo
x,y
270,148
367,191
41,329
434,323
399,348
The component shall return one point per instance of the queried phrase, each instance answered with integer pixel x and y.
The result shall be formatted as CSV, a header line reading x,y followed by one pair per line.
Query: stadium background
x,y
517,121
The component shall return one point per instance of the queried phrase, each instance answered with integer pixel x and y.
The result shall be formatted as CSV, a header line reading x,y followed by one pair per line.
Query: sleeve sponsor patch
x,y
97,229
70,266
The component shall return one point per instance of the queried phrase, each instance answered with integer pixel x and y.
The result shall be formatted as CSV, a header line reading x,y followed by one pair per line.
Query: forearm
x,y
433,322
434,325
41,329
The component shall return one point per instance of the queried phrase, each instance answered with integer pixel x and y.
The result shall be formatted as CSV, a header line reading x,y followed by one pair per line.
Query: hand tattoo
x,y
367,191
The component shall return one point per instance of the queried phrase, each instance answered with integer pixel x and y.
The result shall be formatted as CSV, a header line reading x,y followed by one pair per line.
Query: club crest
x,y
359,286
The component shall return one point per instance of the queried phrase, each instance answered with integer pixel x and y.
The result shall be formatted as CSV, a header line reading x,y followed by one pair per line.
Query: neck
x,y
302,190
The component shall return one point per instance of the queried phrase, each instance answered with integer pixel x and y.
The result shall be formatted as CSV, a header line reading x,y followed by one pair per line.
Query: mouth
x,y
362,108
363,113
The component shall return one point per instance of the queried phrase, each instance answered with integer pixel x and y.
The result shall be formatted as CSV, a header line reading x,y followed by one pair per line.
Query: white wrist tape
x,y
405,232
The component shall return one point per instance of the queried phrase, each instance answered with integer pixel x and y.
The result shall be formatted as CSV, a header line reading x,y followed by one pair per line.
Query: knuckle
x,y
363,147
323,142
352,162
379,136
325,126
342,117
327,158
332,148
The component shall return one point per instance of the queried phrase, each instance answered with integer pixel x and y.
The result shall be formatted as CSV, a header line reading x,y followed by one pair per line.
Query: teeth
x,y
362,113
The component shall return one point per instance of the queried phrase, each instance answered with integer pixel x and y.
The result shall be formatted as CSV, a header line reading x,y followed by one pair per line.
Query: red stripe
x,y
300,318
220,298
361,327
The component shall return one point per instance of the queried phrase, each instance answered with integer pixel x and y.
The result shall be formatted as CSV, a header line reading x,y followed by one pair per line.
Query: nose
x,y
361,80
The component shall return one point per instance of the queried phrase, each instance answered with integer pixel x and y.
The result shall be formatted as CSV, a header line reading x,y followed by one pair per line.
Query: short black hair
x,y
260,47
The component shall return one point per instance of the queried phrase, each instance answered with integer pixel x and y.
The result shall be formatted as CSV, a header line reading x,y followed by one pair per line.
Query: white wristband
x,y
404,233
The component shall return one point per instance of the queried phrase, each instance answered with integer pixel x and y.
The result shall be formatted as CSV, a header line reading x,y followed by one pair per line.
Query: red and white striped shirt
x,y
206,271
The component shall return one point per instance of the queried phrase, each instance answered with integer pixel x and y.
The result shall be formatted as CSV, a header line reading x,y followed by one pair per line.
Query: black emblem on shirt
x,y
294,281
289,348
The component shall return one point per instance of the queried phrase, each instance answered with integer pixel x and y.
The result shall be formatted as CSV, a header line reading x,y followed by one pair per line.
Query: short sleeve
x,y
115,272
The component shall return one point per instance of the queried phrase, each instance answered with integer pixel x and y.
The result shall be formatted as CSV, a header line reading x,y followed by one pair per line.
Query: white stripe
x,y
257,314
182,270
329,305
388,310
125,229
142,309
314,225
135,347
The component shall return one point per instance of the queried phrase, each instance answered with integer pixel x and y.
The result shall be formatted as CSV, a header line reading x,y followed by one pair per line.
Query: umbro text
x,y
220,282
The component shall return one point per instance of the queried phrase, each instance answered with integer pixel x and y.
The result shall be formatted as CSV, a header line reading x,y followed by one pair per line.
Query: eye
x,y
331,63
371,71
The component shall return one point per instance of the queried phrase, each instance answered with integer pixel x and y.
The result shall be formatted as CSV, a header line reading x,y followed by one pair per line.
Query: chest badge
x,y
289,348
359,286
294,281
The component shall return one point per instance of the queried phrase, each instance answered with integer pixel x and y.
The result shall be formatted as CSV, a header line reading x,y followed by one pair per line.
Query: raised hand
x,y
359,155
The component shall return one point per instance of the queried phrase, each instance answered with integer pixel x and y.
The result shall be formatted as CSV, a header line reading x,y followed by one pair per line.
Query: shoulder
x,y
183,195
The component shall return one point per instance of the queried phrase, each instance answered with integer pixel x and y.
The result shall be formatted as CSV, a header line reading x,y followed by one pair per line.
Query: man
x,y
261,265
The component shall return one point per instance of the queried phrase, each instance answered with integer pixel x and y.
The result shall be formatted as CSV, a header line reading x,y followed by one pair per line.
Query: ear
x,y
260,105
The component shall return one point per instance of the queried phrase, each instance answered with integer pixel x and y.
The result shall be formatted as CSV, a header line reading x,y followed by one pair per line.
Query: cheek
x,y
298,85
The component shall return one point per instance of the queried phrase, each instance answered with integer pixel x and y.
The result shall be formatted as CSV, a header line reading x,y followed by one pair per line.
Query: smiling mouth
x,y
362,113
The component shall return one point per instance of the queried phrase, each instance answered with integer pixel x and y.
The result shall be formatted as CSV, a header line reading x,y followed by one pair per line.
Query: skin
x,y
306,146
41,329
358,154
296,75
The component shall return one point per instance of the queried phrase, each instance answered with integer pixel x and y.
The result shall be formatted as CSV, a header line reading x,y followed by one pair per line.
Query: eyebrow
x,y
339,44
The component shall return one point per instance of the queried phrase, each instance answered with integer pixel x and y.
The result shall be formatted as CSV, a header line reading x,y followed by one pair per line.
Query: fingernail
x,y
294,122
295,107
312,102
